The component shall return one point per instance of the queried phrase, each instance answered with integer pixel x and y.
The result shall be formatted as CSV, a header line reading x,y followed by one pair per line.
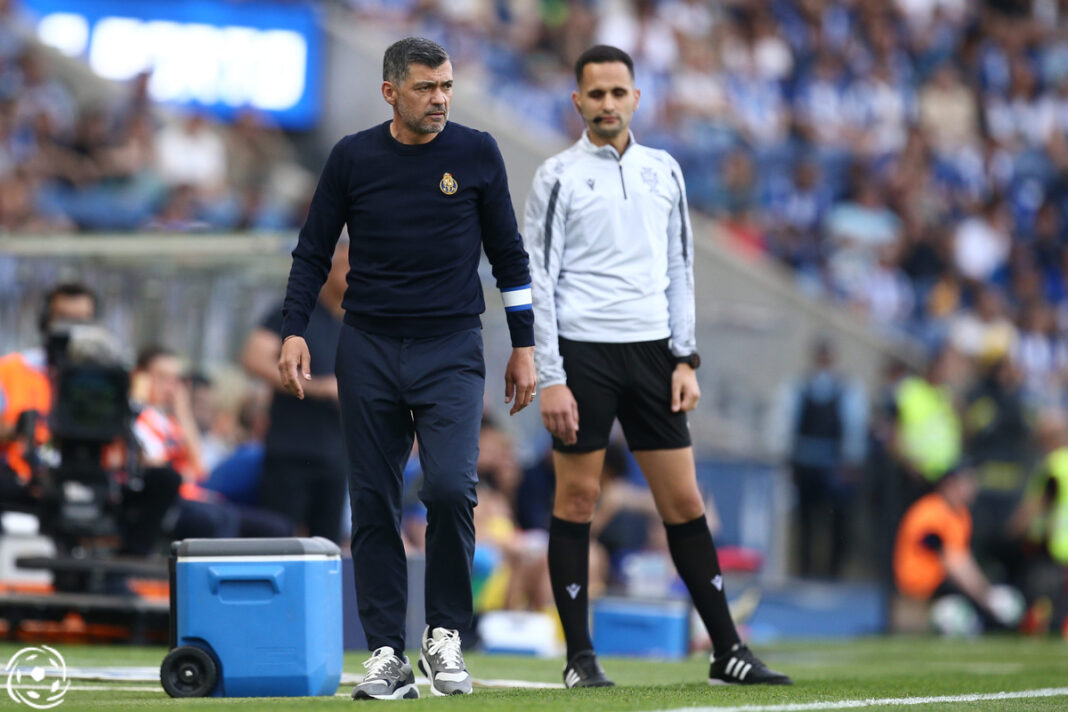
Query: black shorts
x,y
631,382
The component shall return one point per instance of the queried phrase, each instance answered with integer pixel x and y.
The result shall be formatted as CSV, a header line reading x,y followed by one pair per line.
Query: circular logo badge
x,y
37,677
448,184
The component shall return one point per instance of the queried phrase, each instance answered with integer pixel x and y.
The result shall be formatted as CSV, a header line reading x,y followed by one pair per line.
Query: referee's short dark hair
x,y
600,54
411,50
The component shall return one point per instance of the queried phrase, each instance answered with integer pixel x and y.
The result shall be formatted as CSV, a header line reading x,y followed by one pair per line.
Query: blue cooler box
x,y
641,627
265,612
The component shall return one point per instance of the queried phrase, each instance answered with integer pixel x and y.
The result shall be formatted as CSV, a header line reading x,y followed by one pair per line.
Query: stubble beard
x,y
607,132
423,124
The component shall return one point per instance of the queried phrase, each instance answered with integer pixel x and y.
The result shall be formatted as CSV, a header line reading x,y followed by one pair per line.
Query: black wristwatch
x,y
692,360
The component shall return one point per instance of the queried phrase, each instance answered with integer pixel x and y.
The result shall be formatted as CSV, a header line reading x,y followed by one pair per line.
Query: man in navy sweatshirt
x,y
421,197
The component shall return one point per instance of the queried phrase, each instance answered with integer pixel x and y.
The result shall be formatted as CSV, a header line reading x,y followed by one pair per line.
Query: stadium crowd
x,y
115,161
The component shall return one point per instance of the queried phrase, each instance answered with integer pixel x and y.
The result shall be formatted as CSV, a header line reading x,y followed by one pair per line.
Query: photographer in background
x,y
26,388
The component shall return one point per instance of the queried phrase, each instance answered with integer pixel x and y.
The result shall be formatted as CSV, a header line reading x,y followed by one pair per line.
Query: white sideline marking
x,y
95,688
886,701
151,674
517,684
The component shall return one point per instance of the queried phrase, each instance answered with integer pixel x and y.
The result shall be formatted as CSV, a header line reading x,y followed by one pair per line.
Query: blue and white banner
x,y
212,54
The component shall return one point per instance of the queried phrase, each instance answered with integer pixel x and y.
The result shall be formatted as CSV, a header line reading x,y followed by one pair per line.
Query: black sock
x,y
695,558
569,573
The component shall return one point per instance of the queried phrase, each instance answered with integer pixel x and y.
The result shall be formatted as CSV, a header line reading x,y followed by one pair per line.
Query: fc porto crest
x,y
650,178
448,184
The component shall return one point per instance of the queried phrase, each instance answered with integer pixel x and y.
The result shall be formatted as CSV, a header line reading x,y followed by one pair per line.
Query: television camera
x,y
91,493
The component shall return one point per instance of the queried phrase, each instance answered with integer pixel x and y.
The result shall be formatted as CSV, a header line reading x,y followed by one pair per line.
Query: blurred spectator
x,y
638,29
859,228
927,439
262,169
824,113
981,242
1041,352
883,472
511,565
1020,119
168,436
626,516
213,423
41,94
887,294
998,440
984,332
1041,524
933,560
304,475
826,423
237,476
799,213
192,153
537,487
948,111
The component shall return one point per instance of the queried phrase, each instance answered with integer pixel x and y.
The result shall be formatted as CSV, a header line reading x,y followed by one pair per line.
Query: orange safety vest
x,y
25,387
918,570
162,439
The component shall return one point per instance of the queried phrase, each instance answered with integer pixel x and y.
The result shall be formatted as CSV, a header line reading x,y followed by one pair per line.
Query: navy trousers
x,y
392,389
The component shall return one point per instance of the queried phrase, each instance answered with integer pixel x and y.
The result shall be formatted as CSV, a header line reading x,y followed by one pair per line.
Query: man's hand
x,y
559,413
294,363
685,393
520,379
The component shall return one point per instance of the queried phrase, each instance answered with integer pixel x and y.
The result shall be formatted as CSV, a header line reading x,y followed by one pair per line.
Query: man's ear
x,y
574,102
389,93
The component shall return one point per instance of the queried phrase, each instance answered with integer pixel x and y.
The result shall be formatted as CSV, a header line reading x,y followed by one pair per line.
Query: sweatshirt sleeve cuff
x,y
521,328
519,310
290,327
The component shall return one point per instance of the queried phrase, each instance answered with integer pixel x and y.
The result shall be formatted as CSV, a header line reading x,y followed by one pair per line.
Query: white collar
x,y
607,149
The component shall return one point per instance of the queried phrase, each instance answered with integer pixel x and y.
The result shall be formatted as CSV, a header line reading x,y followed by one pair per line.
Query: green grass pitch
x,y
824,671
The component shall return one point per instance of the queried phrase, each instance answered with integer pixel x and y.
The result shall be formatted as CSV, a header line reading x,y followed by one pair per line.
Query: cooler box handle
x,y
249,579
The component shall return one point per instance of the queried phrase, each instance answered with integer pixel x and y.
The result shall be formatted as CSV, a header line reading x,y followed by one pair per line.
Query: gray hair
x,y
411,50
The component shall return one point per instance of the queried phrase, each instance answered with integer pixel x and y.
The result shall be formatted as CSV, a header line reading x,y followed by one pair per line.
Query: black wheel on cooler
x,y
188,671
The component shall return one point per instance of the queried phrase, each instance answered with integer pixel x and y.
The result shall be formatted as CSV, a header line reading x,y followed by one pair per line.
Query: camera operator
x,y
65,427
26,388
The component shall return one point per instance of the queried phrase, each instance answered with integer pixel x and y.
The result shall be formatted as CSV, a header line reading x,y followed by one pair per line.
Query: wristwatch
x,y
692,360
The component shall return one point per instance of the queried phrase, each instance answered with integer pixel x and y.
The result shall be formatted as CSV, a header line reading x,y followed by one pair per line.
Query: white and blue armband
x,y
517,298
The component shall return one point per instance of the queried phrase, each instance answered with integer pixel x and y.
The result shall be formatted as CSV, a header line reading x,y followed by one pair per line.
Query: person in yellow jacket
x,y
1041,523
928,437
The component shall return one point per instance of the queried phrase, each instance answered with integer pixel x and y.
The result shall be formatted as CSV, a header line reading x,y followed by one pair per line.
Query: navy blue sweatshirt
x,y
417,216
